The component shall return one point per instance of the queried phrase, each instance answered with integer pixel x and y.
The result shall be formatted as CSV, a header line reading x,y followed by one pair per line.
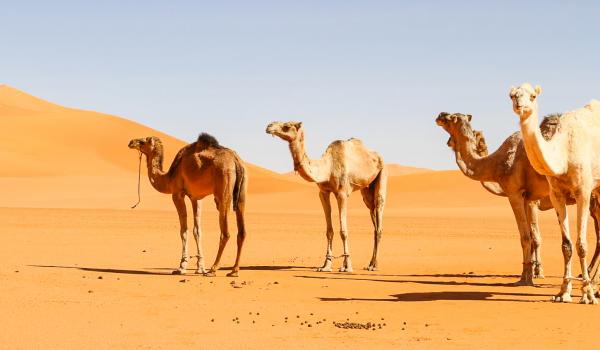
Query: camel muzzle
x,y
442,119
134,145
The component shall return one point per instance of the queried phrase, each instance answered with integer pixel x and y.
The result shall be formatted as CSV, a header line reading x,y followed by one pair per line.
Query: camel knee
x,y
225,236
329,234
581,248
344,234
567,248
183,233
379,201
536,240
377,235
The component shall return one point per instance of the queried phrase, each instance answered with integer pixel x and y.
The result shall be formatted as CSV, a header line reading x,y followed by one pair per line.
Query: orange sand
x,y
81,270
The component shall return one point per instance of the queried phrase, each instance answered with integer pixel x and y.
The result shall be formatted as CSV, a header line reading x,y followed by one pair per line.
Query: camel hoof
x,y
538,272
201,271
233,274
345,269
371,268
587,301
210,274
177,272
524,282
562,298
323,269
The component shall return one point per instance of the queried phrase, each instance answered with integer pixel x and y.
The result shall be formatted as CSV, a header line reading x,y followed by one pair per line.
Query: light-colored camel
x,y
513,177
570,160
345,167
198,170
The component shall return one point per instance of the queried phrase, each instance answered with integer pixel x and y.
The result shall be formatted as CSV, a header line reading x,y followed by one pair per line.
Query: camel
x,y
570,160
346,166
198,170
508,173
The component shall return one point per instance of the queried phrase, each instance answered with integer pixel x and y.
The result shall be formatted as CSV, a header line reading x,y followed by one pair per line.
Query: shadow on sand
x,y
447,295
430,282
167,271
107,270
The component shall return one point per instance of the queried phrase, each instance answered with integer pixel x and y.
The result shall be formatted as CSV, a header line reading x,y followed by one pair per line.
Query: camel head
x,y
457,125
287,131
150,145
524,99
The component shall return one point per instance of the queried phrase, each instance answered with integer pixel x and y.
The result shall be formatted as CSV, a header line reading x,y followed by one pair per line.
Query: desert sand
x,y
82,270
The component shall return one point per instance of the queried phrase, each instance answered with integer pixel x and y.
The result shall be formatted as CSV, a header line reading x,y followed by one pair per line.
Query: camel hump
x,y
206,141
550,125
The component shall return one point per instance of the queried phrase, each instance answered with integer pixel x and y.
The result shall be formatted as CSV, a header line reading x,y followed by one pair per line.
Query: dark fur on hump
x,y
550,125
207,141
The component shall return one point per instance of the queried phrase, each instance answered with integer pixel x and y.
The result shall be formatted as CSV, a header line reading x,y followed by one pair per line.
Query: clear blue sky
x,y
377,70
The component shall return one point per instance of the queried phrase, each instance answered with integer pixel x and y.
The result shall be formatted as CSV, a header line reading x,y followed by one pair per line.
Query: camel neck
x,y
541,153
471,164
309,170
158,178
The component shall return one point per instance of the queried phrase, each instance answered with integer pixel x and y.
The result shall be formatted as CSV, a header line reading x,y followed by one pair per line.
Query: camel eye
x,y
532,97
285,128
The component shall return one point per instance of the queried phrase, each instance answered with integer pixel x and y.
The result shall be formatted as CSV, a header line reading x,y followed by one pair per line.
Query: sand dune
x,y
398,170
55,156
62,157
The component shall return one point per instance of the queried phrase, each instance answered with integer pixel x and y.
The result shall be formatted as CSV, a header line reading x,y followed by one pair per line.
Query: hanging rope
x,y
139,181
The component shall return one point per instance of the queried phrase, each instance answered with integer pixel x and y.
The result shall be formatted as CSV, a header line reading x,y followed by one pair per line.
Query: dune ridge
x,y
60,157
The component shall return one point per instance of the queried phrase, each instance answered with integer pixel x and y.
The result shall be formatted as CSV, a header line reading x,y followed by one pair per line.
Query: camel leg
x,y
560,205
531,211
196,210
518,206
241,237
326,203
368,196
583,205
595,213
377,195
179,201
223,206
342,200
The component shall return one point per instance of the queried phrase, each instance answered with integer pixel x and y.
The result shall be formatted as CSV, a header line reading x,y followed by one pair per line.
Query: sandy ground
x,y
81,270
101,279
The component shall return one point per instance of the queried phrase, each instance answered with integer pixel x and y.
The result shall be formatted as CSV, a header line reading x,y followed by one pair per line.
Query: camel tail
x,y
239,188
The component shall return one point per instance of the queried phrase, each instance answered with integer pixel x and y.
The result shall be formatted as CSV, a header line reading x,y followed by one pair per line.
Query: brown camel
x,y
198,170
345,167
510,170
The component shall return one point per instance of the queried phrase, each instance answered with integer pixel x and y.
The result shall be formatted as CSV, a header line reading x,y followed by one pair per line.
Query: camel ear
x,y
298,125
469,117
538,90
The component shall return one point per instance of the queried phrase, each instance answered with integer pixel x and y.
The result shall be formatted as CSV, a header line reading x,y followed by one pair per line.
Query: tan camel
x,y
571,162
513,177
345,167
198,170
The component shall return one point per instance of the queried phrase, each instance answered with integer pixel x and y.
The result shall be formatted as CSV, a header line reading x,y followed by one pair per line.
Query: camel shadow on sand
x,y
107,270
165,271
450,296
441,295
430,282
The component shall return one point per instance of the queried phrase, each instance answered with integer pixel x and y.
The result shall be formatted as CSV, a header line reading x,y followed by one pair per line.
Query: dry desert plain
x,y
79,269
